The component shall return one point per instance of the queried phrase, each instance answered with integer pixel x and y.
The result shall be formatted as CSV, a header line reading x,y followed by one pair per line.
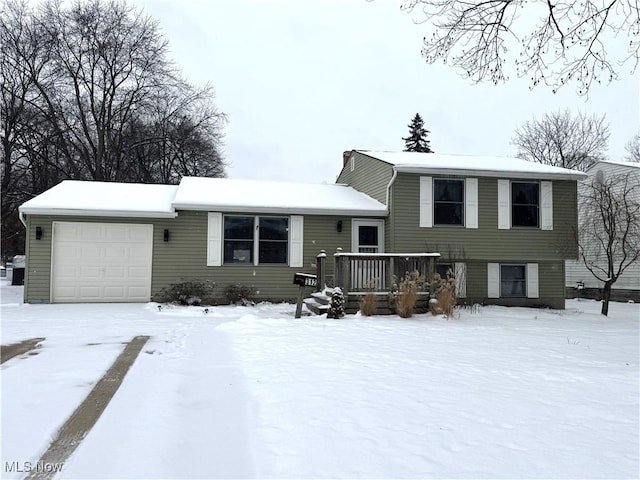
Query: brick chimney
x,y
345,157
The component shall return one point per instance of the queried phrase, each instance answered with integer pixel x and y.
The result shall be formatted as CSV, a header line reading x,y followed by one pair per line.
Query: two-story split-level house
x,y
501,225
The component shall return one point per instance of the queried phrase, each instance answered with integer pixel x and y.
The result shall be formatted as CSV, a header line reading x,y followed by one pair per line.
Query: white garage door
x,y
101,262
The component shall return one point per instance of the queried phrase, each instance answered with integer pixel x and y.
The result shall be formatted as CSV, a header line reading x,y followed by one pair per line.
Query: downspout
x,y
393,179
388,202
22,219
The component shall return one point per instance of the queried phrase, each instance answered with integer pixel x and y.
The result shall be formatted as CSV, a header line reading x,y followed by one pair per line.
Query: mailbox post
x,y
303,280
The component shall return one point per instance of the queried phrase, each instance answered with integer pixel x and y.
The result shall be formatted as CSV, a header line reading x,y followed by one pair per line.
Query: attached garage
x,y
101,262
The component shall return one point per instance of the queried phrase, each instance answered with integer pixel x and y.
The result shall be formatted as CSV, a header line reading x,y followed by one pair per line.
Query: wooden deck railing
x,y
376,272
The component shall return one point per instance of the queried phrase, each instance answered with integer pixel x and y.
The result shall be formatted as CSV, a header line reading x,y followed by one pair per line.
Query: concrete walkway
x,y
76,428
7,352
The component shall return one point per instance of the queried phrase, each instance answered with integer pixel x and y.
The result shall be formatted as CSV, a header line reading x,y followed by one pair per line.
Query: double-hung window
x,y
448,202
525,204
513,281
248,237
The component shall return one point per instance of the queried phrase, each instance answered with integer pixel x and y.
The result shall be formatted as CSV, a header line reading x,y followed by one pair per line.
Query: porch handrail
x,y
360,272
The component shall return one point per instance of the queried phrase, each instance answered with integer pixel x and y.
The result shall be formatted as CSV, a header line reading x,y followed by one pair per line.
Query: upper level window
x,y
525,204
246,237
448,202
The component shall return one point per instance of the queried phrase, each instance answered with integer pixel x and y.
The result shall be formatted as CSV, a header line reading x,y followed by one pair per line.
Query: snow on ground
x,y
252,392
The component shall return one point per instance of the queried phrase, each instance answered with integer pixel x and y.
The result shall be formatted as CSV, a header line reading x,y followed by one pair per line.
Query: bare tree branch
x,y
553,42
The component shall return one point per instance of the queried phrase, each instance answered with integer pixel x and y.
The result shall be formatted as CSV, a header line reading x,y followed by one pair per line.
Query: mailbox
x,y
305,279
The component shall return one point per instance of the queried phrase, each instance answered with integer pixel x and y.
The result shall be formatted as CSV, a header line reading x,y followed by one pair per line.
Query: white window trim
x,y
471,203
215,240
296,241
367,222
426,202
504,204
546,205
532,280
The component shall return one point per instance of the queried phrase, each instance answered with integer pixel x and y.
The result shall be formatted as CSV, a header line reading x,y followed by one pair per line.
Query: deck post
x,y
390,273
337,268
321,270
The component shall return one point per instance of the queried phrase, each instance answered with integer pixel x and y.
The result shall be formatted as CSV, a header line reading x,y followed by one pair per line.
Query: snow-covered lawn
x,y
253,392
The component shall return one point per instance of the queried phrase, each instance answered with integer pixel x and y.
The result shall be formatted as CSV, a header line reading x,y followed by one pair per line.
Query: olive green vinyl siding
x,y
370,176
184,256
486,242
550,285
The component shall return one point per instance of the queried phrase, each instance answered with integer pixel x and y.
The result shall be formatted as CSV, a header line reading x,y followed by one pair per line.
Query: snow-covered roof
x,y
74,197
488,166
233,195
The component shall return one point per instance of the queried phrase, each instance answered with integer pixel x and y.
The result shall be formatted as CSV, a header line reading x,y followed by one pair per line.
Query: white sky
x,y
303,81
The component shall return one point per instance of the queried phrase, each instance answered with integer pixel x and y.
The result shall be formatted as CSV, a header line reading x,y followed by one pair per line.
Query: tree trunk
x,y
606,296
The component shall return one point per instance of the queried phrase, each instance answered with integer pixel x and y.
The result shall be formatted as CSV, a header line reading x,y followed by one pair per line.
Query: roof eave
x,y
382,212
74,212
490,173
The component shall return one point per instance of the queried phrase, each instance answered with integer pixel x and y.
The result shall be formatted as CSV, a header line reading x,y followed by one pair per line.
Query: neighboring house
x,y
628,285
501,225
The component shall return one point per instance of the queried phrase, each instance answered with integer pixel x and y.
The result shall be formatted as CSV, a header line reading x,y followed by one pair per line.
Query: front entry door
x,y
368,237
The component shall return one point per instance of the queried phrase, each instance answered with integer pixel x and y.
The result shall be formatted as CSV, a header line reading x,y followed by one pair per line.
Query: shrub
x,y
407,294
368,304
445,295
190,292
237,293
336,307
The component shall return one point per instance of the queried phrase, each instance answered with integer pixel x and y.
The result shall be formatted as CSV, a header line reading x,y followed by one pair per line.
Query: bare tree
x,y
552,42
81,88
633,149
608,233
562,140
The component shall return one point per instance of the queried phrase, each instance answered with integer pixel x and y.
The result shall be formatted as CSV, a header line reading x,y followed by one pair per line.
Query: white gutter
x,y
491,173
94,213
372,212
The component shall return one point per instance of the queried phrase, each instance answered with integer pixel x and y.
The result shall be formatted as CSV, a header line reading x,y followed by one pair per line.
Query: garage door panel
x,y
116,254
138,235
89,272
117,233
91,233
101,262
137,272
115,273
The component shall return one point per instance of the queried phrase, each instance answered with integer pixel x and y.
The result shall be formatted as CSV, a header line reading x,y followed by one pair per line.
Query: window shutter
x,y
214,240
460,272
532,280
546,205
426,202
504,205
471,203
296,229
493,280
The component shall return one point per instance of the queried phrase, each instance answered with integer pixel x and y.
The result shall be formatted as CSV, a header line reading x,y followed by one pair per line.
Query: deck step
x,y
321,297
315,307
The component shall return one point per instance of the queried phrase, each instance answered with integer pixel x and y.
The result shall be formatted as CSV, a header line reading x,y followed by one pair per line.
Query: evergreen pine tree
x,y
417,140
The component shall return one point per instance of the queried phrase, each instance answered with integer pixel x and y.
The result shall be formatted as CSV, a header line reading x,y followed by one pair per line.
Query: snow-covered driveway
x,y
252,392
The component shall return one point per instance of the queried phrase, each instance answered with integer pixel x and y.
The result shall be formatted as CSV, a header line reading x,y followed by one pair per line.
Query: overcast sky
x,y
302,81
